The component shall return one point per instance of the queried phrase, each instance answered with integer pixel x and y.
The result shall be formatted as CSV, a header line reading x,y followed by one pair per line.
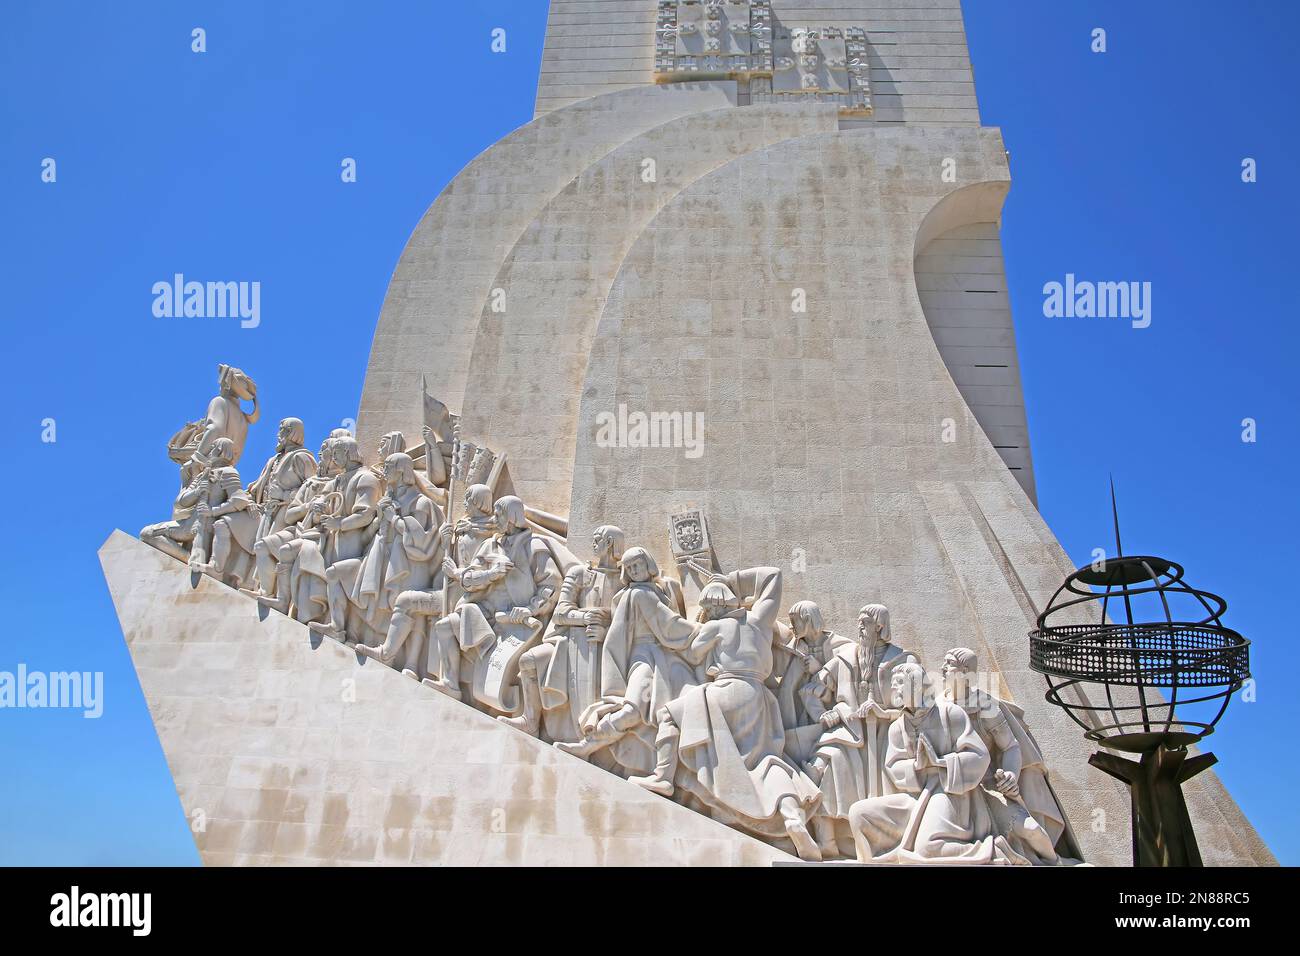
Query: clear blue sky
x,y
225,165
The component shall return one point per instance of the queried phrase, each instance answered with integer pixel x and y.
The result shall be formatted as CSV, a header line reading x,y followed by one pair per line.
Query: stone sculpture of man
x,y
411,582
235,536
398,556
561,676
722,742
938,813
640,668
225,419
511,586
389,442
415,609
875,659
282,581
1021,797
347,533
211,494
799,653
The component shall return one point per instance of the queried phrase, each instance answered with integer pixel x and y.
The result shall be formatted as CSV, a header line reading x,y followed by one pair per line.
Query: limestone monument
x,y
730,316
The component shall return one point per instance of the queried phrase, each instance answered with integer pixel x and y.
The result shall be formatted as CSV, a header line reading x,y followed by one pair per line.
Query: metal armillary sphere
x,y
1150,688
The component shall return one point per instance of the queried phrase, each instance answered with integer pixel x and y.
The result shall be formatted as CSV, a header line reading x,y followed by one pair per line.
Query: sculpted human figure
x,y
511,585
875,664
414,610
225,419
640,668
347,533
210,494
403,539
291,579
1021,797
400,578
799,652
235,536
722,742
938,812
561,676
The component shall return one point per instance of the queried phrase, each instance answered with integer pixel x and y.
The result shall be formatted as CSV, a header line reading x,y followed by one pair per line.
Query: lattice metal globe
x,y
1149,672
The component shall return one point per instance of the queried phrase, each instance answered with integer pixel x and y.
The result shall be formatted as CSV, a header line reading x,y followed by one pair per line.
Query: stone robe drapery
x,y
271,494
308,594
940,814
570,682
732,741
1001,725
533,582
402,558
640,665
844,747
790,676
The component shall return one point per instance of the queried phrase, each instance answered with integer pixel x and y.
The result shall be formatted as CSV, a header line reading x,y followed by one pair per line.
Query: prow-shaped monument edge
x,y
288,748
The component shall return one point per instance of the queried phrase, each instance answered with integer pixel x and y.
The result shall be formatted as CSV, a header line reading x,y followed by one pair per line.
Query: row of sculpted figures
x,y
833,746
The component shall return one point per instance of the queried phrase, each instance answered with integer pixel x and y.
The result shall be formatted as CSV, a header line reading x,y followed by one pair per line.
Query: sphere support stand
x,y
1162,829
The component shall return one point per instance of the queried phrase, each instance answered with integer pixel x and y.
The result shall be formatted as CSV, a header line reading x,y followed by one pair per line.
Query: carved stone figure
x,y
211,493
1020,795
935,761
799,651
347,533
398,556
561,676
875,665
225,418
511,586
235,536
389,443
841,754
413,569
722,741
640,667
289,580
476,527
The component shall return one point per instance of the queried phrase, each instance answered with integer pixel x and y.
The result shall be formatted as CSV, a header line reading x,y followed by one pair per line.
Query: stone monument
x,y
729,315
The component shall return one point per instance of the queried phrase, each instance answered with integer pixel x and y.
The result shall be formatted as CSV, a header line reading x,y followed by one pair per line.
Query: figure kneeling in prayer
x,y
936,761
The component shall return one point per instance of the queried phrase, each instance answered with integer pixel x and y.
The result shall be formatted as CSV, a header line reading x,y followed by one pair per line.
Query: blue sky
x,y
225,165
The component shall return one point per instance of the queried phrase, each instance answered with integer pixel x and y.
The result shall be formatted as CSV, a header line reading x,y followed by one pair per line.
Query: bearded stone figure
x,y
346,533
511,585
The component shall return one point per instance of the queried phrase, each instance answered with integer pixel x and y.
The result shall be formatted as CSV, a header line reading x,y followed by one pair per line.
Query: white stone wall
x,y
528,362
431,311
963,287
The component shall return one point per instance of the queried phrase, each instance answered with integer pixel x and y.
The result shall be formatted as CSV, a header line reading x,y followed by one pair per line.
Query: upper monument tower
x,y
909,58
